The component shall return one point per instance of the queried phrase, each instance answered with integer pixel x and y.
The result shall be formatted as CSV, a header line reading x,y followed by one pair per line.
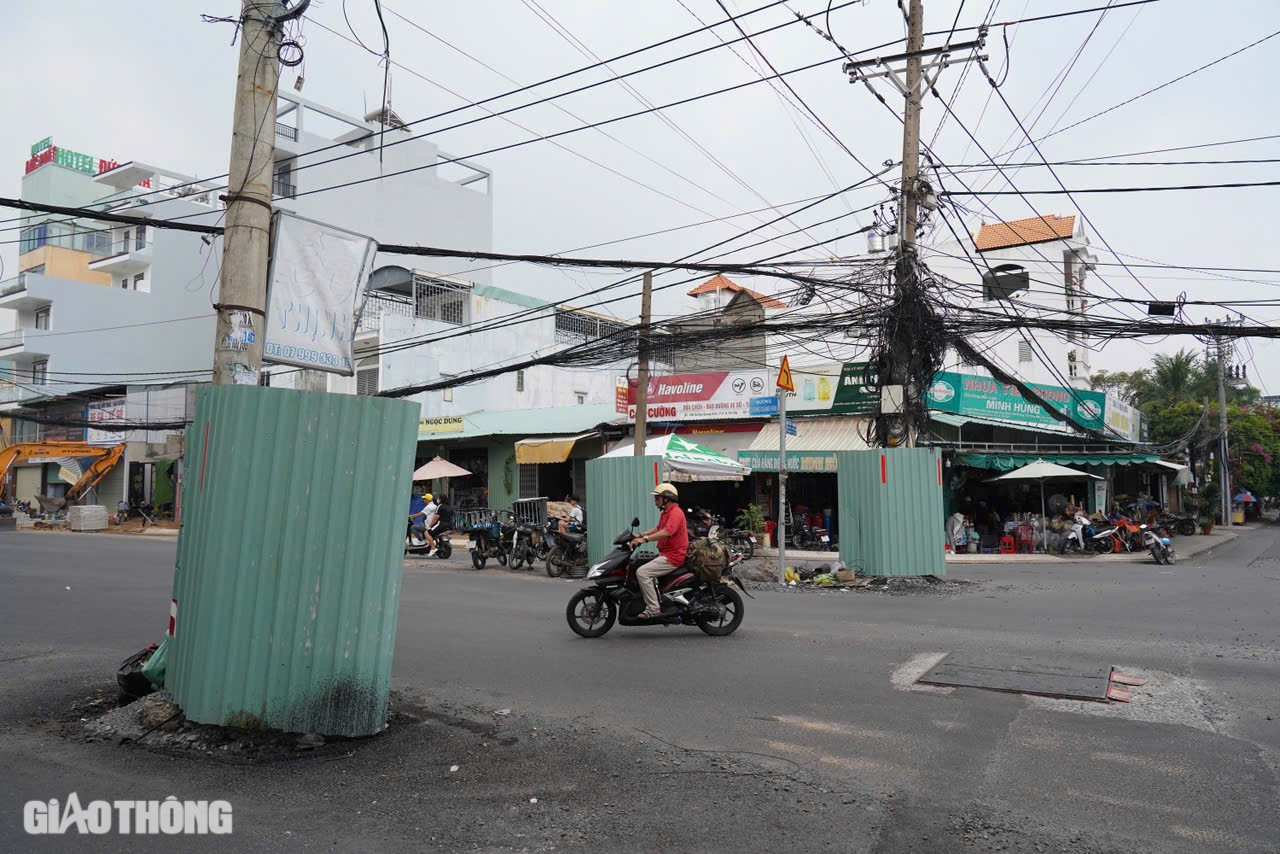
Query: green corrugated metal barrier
x,y
289,559
890,503
618,490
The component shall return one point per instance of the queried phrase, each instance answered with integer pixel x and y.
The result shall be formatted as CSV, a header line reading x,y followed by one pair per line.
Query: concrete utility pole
x,y
242,291
1224,475
904,270
642,372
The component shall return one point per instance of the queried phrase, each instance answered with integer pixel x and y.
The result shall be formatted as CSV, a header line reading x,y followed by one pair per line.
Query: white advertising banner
x,y
1123,419
318,277
107,411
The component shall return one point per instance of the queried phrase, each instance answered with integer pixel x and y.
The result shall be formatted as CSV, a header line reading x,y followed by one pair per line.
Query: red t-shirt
x,y
676,546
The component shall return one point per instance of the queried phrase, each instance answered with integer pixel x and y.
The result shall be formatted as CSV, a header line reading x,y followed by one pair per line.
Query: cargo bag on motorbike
x,y
707,559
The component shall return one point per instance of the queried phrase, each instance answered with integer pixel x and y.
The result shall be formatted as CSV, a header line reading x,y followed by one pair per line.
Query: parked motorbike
x,y
739,540
1107,541
1180,523
485,541
1080,537
811,538
614,596
414,546
568,551
1158,543
521,550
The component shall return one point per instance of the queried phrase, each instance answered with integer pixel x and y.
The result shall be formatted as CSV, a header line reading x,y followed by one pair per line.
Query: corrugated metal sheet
x,y
618,490
836,433
289,560
890,502
545,421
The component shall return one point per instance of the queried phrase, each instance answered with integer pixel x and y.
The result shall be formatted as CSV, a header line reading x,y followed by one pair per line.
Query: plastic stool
x,y
1006,545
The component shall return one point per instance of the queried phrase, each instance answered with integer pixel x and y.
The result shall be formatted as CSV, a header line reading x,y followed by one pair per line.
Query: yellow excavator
x,y
105,459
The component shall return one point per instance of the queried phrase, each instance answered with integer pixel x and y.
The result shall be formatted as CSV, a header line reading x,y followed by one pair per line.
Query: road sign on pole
x,y
791,427
784,376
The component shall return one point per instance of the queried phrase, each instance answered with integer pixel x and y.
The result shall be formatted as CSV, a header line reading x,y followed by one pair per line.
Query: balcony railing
x,y
15,338
379,305
13,286
282,189
289,133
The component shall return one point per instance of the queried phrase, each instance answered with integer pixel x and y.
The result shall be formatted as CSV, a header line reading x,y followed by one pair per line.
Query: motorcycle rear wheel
x,y
502,556
477,558
1186,527
443,548
727,623
590,613
1155,553
554,568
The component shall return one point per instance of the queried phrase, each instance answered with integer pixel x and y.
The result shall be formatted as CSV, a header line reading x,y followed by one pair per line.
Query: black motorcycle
x,y
567,552
412,546
614,596
522,548
485,541
1180,523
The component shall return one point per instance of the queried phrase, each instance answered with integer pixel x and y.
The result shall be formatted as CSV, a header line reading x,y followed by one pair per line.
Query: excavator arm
x,y
105,460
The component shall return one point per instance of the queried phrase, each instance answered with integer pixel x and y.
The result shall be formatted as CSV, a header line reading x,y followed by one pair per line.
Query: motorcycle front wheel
x,y
744,545
517,556
478,559
730,616
554,569
591,613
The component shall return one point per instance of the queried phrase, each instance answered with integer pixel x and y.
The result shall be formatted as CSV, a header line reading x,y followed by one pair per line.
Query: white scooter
x,y
1074,540
1158,543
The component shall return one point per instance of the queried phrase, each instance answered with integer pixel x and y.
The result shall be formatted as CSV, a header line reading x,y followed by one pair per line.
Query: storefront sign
x,y
1122,419
45,152
443,424
318,276
848,389
970,394
821,462
106,411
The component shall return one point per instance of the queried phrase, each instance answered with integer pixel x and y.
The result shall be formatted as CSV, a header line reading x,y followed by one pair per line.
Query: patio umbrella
x,y
683,460
1245,497
1042,471
437,468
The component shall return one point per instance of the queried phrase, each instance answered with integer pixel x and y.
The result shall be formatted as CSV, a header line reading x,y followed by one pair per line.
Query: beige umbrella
x,y
437,468
1042,471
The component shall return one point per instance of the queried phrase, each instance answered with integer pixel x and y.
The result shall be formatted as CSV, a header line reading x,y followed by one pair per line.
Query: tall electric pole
x,y
1224,475
642,372
900,347
242,290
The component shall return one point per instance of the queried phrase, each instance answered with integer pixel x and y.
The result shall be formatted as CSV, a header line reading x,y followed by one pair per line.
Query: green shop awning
x,y
1009,462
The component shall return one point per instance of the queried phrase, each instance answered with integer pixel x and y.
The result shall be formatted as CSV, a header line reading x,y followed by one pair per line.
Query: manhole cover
x,y
1067,680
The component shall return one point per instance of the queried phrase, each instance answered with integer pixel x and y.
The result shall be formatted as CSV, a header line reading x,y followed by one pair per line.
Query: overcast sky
x,y
150,81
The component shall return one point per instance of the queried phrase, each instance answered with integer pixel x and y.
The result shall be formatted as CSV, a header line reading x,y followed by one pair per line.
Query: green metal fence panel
x,y
891,517
618,490
289,561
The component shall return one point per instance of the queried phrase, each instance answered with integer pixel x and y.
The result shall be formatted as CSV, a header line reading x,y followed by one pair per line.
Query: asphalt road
x,y
801,732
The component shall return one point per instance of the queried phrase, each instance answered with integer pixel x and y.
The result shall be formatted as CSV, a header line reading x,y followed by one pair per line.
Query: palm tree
x,y
1174,378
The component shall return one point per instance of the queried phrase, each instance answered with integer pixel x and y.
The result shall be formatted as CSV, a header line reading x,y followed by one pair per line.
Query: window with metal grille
x,y
42,318
1024,351
367,380
519,380
447,302
40,372
528,481
264,379
583,326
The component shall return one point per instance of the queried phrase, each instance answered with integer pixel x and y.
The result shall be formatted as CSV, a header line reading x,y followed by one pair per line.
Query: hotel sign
x,y
45,152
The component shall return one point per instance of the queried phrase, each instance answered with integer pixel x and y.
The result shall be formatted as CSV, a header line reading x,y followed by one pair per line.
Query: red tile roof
x,y
1024,232
720,282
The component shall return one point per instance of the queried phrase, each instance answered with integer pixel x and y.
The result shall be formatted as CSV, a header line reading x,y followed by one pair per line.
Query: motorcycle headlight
x,y
596,571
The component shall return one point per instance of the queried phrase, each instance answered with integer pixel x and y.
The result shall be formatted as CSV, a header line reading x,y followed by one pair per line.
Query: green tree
x,y
1175,377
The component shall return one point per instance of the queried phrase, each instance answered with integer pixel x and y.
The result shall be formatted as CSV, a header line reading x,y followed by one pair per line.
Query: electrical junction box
x,y
891,397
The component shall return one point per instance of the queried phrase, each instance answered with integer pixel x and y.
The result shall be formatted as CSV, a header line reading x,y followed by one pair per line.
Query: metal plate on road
x,y
1023,676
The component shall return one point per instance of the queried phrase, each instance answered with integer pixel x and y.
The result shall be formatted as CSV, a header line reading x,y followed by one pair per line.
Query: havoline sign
x,y
969,394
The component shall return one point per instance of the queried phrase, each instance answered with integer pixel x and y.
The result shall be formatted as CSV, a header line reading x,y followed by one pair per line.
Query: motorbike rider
x,y
420,510
441,523
672,536
573,520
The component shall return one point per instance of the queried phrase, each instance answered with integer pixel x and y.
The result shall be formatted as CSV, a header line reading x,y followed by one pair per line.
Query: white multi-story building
x,y
102,313
1028,267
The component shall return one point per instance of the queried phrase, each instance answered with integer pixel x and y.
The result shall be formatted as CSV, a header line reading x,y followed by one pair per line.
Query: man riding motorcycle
x,y
672,537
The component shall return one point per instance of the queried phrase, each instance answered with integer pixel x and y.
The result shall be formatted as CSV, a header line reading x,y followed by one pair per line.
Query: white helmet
x,y
666,490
